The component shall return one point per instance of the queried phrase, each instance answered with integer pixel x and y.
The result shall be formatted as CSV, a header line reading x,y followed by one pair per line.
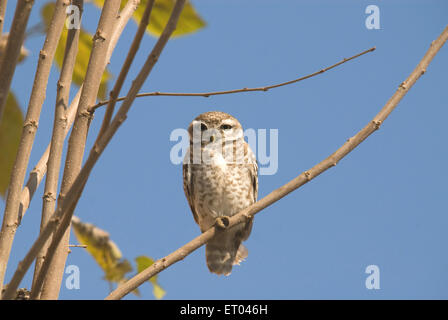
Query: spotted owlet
x,y
220,179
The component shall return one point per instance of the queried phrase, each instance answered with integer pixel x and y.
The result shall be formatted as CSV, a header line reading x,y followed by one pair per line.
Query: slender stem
x,y
37,174
297,182
58,136
40,169
126,66
64,208
15,40
54,264
12,53
215,93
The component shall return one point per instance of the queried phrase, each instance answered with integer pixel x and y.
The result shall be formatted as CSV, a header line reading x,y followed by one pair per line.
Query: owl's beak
x,y
212,139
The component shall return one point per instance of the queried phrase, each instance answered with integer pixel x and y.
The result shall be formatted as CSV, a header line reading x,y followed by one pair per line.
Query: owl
x,y
220,176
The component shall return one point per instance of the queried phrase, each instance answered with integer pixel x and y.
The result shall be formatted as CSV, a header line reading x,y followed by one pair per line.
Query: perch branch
x,y
215,93
297,182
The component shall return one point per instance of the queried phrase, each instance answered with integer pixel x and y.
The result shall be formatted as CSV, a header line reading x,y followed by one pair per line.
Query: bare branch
x,y
11,55
297,182
39,171
64,209
215,93
37,174
77,246
125,68
58,137
3,4
15,39
53,269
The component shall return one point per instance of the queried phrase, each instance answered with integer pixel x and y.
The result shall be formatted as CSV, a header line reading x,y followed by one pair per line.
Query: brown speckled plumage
x,y
222,183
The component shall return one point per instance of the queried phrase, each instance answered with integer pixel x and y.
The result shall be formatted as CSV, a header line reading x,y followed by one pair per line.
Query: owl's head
x,y
215,127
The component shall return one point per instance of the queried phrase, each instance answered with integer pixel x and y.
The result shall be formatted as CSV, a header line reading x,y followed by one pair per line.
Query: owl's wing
x,y
189,189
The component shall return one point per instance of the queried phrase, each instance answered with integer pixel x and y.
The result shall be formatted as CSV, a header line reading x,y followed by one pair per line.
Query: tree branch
x,y
3,4
58,137
125,68
11,55
215,93
297,182
37,174
15,40
53,274
118,26
63,210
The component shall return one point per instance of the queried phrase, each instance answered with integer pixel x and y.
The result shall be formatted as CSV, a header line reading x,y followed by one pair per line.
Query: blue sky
x,y
385,204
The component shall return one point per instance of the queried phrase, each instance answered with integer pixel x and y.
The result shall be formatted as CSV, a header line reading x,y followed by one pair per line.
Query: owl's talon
x,y
222,222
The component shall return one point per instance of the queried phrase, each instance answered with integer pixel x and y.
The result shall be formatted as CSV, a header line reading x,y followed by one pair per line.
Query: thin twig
x,y
297,182
37,174
53,267
11,218
215,93
125,68
11,56
63,210
57,139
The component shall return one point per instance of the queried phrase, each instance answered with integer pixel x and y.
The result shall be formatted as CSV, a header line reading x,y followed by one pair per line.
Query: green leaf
x,y
144,262
83,56
189,20
10,132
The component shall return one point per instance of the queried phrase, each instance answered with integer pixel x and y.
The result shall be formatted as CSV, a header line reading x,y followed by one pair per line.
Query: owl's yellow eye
x,y
226,127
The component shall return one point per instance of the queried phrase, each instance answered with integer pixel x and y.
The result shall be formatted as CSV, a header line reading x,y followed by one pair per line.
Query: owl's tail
x,y
221,256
